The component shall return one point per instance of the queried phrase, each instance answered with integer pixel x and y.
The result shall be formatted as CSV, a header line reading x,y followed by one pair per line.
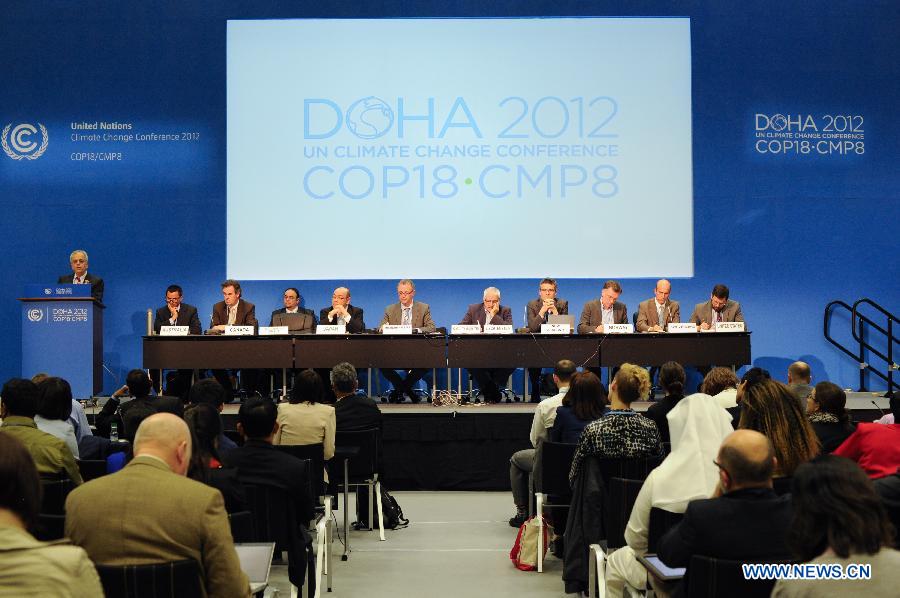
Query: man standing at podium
x,y
79,262
176,313
234,311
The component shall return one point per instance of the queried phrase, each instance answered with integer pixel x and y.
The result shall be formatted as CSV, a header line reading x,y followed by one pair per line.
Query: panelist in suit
x,y
78,259
341,312
297,319
656,313
176,313
537,312
603,311
489,311
719,308
417,315
234,311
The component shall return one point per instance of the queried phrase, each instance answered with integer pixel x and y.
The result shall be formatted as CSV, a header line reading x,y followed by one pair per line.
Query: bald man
x,y
656,313
341,312
800,381
744,520
78,260
151,513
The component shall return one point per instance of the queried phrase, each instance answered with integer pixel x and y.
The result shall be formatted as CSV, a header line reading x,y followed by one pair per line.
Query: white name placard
x,y
396,329
729,327
555,329
272,330
682,327
238,330
174,330
331,329
618,329
465,329
498,329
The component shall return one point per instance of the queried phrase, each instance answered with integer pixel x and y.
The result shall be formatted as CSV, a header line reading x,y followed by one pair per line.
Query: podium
x,y
62,335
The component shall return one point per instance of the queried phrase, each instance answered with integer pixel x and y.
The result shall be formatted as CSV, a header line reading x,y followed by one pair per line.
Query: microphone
x,y
880,410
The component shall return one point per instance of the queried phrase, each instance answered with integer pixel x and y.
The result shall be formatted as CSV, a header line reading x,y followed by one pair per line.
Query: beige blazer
x,y
648,317
306,423
592,316
730,313
421,316
32,568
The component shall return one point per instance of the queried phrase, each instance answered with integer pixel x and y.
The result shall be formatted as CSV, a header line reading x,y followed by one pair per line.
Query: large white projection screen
x,y
459,148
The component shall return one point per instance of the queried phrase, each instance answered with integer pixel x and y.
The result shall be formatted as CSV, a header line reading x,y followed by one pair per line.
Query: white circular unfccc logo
x,y
20,141
35,315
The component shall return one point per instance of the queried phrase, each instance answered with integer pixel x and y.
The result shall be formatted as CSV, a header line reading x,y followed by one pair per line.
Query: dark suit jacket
x,y
476,315
246,314
137,410
356,412
354,326
96,283
592,315
648,317
187,316
658,412
730,313
302,321
888,489
533,308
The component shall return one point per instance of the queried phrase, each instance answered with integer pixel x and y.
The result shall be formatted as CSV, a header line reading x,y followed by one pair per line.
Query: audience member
x,y
78,419
721,384
799,380
18,406
875,447
129,415
29,567
838,520
206,465
671,378
825,409
151,513
888,489
585,402
698,426
305,419
621,432
522,462
744,520
54,406
352,411
208,390
769,407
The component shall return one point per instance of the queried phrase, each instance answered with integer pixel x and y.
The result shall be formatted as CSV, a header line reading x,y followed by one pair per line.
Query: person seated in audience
x,y
825,409
151,513
888,489
522,462
671,378
744,520
838,520
722,385
621,432
18,406
128,416
769,407
78,419
352,411
698,427
585,402
54,406
305,419
210,391
206,465
799,380
29,567
875,447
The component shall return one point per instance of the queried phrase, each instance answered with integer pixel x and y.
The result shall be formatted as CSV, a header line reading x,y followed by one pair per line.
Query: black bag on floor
x,y
391,511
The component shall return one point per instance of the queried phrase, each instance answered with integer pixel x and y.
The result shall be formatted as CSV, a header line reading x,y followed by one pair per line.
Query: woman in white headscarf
x,y
697,425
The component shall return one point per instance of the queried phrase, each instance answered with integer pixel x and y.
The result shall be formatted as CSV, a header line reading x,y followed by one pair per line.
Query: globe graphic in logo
x,y
369,118
779,122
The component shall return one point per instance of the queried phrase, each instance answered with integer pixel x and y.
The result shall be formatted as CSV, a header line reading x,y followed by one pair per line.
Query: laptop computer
x,y
562,319
256,562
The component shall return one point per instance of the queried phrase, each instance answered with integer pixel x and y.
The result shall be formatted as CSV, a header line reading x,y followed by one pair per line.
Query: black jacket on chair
x,y
357,412
584,525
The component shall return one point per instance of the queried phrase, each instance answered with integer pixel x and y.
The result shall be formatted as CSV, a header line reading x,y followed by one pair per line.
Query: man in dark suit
x,y
719,308
489,311
603,311
176,313
537,312
297,319
130,415
78,259
416,315
352,411
745,520
341,312
234,311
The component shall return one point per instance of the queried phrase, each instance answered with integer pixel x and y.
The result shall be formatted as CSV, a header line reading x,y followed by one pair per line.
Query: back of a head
x,y
755,375
203,420
257,417
308,388
587,397
717,380
343,377
698,423
799,372
54,399
207,391
632,383
20,486
836,506
747,456
138,383
19,397
160,435
831,399
671,378
565,369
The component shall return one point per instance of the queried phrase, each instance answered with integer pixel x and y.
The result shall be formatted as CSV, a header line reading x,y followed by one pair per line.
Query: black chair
x,y
242,528
50,527
55,491
621,495
550,483
360,469
631,468
707,577
661,521
315,454
176,579
91,469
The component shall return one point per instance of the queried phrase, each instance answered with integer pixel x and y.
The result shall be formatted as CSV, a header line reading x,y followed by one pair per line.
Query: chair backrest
x,y
720,578
661,521
630,468
91,469
50,527
274,515
55,491
556,461
315,454
242,528
176,579
365,464
621,495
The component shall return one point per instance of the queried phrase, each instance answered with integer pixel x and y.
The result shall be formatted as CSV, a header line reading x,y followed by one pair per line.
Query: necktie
x,y
407,316
659,315
232,315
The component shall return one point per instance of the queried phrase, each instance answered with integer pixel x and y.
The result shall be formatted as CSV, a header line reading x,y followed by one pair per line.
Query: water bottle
x,y
114,432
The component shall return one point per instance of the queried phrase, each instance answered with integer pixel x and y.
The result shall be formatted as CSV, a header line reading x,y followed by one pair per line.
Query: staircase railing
x,y
862,327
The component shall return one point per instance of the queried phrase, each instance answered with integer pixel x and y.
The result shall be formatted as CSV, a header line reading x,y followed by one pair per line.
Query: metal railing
x,y
862,327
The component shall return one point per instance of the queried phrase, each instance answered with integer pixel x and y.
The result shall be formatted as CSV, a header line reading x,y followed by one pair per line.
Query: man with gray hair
x,y
78,259
417,315
352,411
489,311
149,512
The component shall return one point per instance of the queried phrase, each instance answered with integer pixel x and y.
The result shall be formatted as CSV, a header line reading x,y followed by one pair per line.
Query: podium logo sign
x,y
35,315
19,142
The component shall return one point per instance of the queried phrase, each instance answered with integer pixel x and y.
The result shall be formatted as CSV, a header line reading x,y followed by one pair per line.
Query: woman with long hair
x,y
826,411
585,401
206,466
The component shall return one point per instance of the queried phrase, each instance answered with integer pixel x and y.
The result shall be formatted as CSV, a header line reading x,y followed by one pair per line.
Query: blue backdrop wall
x,y
788,231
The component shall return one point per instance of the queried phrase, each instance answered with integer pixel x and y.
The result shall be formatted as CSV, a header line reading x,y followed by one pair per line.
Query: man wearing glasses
x,y
297,319
176,313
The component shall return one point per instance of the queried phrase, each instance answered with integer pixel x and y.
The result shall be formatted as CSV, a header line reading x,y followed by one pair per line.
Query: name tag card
x,y
555,329
331,329
729,327
238,330
498,329
619,329
682,327
272,330
465,329
174,330
396,329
